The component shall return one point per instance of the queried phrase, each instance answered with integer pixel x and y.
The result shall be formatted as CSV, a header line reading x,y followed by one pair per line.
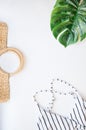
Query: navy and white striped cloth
x,y
49,120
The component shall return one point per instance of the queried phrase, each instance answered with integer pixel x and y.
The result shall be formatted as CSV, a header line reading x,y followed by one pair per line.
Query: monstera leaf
x,y
68,21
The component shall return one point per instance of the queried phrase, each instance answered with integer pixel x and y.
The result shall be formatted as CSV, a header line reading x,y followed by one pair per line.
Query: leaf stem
x,y
80,2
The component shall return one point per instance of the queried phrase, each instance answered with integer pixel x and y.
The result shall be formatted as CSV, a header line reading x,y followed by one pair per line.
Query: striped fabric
x,y
49,120
52,121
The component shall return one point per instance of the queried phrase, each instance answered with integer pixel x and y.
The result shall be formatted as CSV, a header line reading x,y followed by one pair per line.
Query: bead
x,y
34,96
51,91
51,103
47,107
51,107
34,99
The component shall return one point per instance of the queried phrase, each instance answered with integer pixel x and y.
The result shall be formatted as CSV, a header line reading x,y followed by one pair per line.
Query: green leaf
x,y
68,21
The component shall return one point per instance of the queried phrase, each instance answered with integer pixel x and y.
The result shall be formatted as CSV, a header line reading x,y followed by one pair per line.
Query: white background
x,y
45,58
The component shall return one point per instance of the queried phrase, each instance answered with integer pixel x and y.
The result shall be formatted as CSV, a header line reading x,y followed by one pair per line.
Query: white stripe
x,y
47,122
84,103
38,124
81,106
61,123
69,122
40,120
66,125
77,115
56,116
58,127
82,121
51,121
43,123
43,120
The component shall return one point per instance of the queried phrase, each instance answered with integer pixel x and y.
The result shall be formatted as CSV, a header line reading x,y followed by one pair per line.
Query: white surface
x,y
5,63
45,58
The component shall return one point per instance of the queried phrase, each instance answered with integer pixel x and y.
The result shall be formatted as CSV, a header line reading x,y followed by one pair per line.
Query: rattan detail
x,y
4,76
4,87
3,35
